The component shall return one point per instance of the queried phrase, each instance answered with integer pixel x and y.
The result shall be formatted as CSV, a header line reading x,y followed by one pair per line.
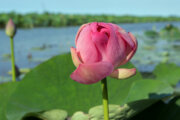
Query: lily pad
x,y
168,73
48,86
6,90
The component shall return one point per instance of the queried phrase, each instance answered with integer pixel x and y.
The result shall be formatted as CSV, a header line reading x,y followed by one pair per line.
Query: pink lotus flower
x,y
100,49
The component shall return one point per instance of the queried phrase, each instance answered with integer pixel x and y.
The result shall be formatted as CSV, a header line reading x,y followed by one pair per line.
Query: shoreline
x,y
34,20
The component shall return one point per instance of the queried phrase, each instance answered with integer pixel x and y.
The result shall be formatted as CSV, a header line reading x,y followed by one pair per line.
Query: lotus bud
x,y
10,28
101,48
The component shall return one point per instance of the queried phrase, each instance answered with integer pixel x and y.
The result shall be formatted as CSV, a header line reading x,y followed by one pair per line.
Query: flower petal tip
x,y
123,73
75,57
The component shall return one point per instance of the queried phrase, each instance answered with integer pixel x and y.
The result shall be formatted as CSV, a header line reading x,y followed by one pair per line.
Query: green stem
x,y
13,60
105,99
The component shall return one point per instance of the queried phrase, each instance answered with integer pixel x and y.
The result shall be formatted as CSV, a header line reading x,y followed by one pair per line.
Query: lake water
x,y
33,46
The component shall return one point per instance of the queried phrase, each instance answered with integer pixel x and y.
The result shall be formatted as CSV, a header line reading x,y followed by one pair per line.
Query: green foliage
x,y
168,73
117,112
46,19
57,90
151,34
154,90
48,87
170,32
6,90
80,116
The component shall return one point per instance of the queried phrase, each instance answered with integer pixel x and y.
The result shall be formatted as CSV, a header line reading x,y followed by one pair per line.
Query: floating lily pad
x,y
6,56
41,48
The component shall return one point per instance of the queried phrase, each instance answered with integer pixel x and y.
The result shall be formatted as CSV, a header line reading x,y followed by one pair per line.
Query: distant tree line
x,y
46,19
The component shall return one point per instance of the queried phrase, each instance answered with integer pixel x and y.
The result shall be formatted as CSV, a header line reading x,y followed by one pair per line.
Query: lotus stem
x,y
13,60
105,98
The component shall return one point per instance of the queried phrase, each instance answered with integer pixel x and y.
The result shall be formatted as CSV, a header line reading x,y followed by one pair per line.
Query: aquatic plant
x,y
11,31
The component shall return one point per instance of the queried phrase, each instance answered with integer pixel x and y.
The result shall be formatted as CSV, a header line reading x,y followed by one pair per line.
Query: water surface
x,y
40,44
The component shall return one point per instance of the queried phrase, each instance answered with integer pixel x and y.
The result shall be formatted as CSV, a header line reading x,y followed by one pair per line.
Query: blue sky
x,y
117,7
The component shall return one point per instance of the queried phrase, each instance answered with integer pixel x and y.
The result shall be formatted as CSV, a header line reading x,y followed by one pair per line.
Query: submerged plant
x,y
100,49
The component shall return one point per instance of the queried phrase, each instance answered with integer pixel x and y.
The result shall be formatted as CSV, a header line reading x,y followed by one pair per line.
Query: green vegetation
x,y
47,92
151,33
46,19
169,32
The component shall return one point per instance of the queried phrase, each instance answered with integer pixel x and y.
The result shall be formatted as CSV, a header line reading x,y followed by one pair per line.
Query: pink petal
x,y
123,73
100,37
130,50
86,47
75,58
126,37
129,41
135,45
92,73
115,50
117,28
79,31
